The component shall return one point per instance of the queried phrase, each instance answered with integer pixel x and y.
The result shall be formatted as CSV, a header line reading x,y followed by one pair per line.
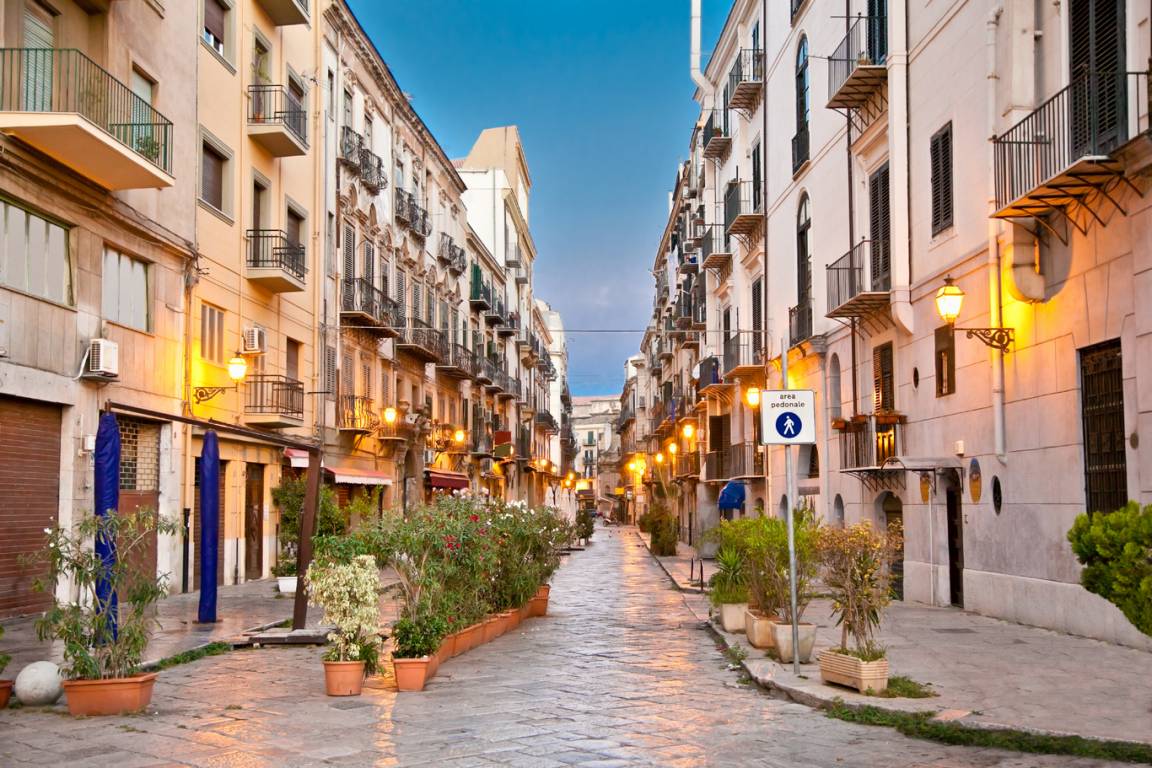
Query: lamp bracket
x,y
997,338
204,394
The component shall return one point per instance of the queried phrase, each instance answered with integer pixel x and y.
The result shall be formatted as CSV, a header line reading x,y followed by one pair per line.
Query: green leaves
x,y
348,591
1115,549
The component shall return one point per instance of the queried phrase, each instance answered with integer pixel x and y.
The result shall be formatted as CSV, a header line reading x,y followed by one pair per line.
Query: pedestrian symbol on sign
x,y
788,424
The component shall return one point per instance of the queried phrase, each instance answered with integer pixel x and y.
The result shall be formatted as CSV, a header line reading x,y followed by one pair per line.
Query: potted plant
x,y
347,590
805,531
415,643
857,569
106,629
764,601
5,685
729,592
330,521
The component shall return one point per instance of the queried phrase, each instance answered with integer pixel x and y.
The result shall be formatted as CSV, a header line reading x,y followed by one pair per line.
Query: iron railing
x,y
418,333
276,105
869,440
361,296
273,394
716,126
740,199
866,44
1091,118
800,148
350,146
846,275
271,249
65,80
356,413
372,170
741,350
747,68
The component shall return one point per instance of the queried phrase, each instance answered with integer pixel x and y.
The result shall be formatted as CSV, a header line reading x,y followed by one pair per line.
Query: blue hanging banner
x,y
107,481
731,496
209,525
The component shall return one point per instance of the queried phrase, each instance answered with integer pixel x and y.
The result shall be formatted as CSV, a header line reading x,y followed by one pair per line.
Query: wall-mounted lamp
x,y
390,415
237,370
752,397
950,299
688,430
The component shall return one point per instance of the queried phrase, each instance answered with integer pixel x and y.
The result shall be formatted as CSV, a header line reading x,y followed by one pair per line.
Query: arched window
x,y
803,253
802,89
835,398
838,511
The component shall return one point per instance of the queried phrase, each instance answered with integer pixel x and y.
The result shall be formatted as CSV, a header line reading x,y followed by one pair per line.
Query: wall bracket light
x,y
949,300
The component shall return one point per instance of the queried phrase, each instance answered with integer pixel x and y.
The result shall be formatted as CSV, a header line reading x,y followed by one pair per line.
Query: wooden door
x,y
253,521
955,545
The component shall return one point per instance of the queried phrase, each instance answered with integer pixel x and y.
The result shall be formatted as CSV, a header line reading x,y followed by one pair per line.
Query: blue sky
x,y
603,98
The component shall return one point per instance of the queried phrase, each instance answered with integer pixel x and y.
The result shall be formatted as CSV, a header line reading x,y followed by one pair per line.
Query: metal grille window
x,y
757,316
139,455
941,162
1102,412
883,379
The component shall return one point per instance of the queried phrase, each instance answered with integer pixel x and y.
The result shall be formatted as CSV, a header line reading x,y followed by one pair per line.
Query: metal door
x,y
955,513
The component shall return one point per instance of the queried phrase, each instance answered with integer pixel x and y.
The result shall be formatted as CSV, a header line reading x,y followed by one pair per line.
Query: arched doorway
x,y
955,517
838,511
892,515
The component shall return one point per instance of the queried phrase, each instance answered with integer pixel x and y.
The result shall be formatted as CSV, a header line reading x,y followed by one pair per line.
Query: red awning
x,y
442,479
296,457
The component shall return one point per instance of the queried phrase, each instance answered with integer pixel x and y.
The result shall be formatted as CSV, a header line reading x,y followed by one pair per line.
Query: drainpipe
x,y
900,244
697,75
994,314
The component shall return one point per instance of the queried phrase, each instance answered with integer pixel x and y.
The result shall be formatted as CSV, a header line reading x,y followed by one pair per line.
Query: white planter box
x,y
758,627
782,634
287,584
847,670
732,616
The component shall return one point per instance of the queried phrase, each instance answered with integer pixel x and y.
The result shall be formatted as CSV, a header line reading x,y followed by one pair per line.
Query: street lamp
x,y
659,458
237,370
459,436
688,430
949,300
389,415
752,397
673,448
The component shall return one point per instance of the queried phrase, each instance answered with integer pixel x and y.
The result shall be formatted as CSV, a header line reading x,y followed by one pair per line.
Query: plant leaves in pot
x,y
347,589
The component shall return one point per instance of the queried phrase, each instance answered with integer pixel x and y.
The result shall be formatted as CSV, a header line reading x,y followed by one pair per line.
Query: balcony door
x,y
39,40
880,226
878,31
1096,59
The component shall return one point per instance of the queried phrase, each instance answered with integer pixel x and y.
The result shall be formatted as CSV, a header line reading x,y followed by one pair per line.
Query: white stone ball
x,y
39,684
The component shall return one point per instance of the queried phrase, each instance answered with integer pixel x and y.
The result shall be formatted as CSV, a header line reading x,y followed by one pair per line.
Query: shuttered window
x,y
294,228
212,176
417,299
369,262
125,293
1096,48
880,224
215,23
429,306
211,334
330,369
402,291
758,316
348,248
883,379
347,374
366,378
941,162
34,254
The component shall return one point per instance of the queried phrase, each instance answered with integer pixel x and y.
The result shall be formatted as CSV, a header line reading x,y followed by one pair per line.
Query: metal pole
x,y
790,504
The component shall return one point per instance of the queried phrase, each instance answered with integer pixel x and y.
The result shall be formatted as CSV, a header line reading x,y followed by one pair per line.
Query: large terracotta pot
x,y
469,638
116,696
539,603
758,628
491,628
514,616
5,692
343,678
411,674
505,622
448,646
782,634
842,669
732,616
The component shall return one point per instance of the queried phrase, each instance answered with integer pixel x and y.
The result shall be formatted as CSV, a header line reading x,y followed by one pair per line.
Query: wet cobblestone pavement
x,y
619,673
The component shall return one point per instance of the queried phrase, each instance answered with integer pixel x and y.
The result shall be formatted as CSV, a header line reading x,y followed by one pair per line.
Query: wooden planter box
x,y
842,669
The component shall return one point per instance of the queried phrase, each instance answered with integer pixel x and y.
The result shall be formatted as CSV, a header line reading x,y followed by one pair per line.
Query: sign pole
x,y
790,504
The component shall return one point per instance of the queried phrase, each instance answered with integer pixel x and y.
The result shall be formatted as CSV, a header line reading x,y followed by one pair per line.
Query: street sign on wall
x,y
788,417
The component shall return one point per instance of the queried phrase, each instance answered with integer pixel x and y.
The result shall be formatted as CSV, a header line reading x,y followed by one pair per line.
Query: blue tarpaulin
x,y
209,525
731,496
107,481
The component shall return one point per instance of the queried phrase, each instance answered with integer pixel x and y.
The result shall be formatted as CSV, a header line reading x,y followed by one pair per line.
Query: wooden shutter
x,y
366,378
941,161
429,306
880,223
385,277
212,178
347,380
757,314
402,292
417,297
292,359
370,262
349,248
214,13
330,371
883,384
757,180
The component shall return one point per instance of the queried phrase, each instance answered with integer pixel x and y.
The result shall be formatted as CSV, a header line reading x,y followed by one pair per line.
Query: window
x,y
294,227
802,87
34,254
292,359
347,107
1105,438
212,334
330,372
835,397
880,226
803,253
757,178
213,165
945,361
757,317
368,131
366,377
215,24
330,95
125,292
883,379
941,161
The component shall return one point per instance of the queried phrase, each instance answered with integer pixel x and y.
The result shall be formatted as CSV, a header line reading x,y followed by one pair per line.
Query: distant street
x,y
619,674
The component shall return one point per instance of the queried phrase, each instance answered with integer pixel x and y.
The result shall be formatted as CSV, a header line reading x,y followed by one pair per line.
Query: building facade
x,y
915,155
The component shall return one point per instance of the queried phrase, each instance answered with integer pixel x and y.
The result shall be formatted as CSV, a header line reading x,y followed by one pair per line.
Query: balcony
x,y
1066,151
410,212
285,13
274,261
273,401
372,171
858,68
492,374
710,379
365,305
508,387
513,257
688,261
277,120
451,255
746,80
800,150
510,327
850,294
63,104
421,340
458,362
356,414
717,139
545,421
715,251
686,464
742,357
480,296
494,315
485,370
868,440
799,323
742,214
691,341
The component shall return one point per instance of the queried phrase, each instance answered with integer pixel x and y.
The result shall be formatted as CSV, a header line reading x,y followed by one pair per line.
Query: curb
x,y
151,664
680,587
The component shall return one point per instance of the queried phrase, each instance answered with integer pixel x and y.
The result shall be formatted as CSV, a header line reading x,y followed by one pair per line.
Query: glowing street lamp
x,y
752,397
659,458
459,436
688,430
390,415
673,448
237,368
950,299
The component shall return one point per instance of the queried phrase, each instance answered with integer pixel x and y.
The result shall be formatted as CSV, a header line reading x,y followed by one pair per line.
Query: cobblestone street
x,y
619,673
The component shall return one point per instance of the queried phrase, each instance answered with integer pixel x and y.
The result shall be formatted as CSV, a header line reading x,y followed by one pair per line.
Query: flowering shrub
x,y
347,590
857,564
4,658
103,639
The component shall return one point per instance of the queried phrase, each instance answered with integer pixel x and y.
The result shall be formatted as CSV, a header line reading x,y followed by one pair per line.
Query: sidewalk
x,y
988,673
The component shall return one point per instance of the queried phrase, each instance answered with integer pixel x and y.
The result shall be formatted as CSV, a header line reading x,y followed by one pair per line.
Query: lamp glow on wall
x,y
237,369
949,302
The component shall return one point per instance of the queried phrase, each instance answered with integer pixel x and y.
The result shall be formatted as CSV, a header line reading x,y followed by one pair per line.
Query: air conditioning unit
x,y
255,341
103,359
412,419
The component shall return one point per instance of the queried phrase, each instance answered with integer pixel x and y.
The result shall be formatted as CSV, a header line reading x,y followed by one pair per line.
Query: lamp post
x,y
949,300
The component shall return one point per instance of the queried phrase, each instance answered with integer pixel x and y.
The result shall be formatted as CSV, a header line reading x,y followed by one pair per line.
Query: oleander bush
x,y
1115,549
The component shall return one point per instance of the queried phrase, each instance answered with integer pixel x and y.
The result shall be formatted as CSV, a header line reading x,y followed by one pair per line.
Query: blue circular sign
x,y
788,425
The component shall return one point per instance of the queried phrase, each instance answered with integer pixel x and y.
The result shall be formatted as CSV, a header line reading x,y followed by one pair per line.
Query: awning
x,y
360,476
731,496
296,458
438,478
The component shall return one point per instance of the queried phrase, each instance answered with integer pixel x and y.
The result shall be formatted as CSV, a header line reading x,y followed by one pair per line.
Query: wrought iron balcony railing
x,y
64,80
361,297
276,105
372,170
271,249
848,286
800,149
717,137
274,395
868,440
742,205
350,145
356,414
800,323
857,67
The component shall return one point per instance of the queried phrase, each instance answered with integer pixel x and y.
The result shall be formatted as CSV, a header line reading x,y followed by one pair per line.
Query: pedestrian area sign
x,y
788,417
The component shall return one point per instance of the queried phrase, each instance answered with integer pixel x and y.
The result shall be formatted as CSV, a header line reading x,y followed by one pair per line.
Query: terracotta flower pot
x,y
758,628
539,602
505,622
514,617
782,634
412,674
116,696
448,646
469,638
842,669
491,629
526,610
343,678
5,692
